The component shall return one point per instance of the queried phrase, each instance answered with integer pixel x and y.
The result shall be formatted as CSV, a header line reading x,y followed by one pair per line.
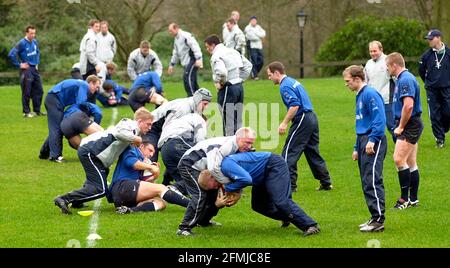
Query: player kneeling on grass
x,y
268,173
133,188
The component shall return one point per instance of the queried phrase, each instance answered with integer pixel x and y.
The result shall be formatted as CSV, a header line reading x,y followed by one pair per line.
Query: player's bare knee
x,y
159,204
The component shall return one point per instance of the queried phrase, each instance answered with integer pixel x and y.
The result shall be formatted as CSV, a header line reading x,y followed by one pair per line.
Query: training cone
x,y
86,213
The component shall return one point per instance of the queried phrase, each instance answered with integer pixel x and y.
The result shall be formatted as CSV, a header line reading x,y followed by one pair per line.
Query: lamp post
x,y
301,19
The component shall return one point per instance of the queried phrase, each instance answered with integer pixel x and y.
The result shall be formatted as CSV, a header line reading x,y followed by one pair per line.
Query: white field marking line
x,y
93,224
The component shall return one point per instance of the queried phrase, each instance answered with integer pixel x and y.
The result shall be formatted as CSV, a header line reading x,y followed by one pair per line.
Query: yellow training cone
x,y
86,213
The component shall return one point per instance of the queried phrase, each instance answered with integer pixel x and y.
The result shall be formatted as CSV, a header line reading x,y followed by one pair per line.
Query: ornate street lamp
x,y
301,19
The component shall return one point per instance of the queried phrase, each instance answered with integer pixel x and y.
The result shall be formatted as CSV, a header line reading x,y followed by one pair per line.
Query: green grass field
x,y
28,217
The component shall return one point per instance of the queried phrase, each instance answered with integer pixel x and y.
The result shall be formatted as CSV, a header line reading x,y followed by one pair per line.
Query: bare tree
x,y
435,14
134,20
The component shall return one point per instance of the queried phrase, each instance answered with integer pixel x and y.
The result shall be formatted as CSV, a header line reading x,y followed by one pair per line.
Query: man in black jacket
x,y
434,70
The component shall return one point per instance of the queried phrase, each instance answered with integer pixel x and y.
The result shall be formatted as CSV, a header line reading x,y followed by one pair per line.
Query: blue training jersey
x,y
25,51
88,108
244,169
124,168
370,116
294,94
148,80
406,86
71,91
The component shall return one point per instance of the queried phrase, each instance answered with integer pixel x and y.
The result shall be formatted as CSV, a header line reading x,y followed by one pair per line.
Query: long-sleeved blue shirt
x,y
370,116
88,108
148,80
406,86
25,52
244,169
432,76
71,91
294,94
125,165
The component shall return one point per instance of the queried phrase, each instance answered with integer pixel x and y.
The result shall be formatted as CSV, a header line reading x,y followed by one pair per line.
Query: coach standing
x,y
106,44
255,34
434,69
25,56
303,135
371,145
143,59
409,127
377,76
230,69
89,63
235,38
187,51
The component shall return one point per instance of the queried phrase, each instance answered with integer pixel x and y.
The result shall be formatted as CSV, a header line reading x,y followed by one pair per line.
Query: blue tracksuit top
x,y
88,108
406,86
71,91
148,80
124,168
25,51
370,117
430,74
244,169
294,94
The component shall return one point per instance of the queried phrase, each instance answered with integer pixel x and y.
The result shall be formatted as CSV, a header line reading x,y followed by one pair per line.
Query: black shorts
x,y
412,131
139,97
75,124
124,193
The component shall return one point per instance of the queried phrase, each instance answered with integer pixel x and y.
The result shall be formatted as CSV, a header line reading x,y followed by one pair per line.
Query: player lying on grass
x,y
133,188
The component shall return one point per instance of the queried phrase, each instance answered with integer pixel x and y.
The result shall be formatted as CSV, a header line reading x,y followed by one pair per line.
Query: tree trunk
x,y
442,17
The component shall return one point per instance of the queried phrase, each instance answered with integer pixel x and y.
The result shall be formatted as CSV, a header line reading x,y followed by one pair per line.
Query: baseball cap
x,y
253,17
432,34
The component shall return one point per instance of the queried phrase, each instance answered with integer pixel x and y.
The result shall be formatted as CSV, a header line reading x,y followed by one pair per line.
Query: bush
x,y
351,42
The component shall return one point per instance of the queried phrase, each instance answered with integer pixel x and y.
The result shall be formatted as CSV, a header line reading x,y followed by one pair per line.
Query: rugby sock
x,y
404,177
414,187
146,207
174,198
